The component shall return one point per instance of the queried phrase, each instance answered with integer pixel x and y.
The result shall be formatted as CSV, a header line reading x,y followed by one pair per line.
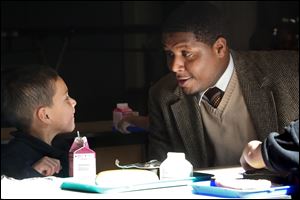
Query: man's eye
x,y
169,54
186,54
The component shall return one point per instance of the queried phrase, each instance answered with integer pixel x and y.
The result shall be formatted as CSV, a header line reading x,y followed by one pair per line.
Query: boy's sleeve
x,y
18,170
281,151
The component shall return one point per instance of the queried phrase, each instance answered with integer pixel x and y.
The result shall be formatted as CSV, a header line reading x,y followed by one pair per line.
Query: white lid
x,y
122,105
179,155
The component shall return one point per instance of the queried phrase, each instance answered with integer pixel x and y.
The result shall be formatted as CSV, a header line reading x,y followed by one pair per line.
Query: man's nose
x,y
177,64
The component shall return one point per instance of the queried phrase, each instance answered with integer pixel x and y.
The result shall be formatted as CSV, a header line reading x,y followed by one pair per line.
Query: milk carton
x,y
121,111
82,160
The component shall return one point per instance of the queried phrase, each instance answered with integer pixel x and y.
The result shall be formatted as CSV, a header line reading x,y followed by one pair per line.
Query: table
x,y
49,187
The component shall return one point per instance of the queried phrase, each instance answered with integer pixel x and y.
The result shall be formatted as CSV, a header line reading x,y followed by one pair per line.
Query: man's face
x,y
197,65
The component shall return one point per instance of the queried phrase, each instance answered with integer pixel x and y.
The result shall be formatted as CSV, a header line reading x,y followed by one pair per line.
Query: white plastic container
x,y
175,167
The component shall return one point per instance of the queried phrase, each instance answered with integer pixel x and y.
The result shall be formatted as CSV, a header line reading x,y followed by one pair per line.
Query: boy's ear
x,y
42,114
220,46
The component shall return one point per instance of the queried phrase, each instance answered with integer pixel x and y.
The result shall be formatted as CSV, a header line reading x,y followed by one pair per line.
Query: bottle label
x,y
175,173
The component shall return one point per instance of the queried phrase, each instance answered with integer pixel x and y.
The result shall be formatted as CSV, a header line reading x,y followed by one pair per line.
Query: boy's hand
x,y
47,166
123,125
251,157
133,120
128,120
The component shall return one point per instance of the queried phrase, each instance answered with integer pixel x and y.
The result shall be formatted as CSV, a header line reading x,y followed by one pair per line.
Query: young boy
x,y
278,153
35,100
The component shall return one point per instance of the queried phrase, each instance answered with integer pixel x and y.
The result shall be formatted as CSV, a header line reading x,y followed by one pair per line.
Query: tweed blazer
x,y
269,82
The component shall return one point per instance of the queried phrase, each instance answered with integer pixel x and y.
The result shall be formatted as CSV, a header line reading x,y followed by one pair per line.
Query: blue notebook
x,y
131,129
207,188
83,187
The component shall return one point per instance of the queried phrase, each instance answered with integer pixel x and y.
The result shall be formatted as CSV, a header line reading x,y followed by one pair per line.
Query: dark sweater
x,y
23,151
281,151
281,154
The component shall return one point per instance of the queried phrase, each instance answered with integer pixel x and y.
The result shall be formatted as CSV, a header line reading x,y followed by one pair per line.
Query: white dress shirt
x,y
222,83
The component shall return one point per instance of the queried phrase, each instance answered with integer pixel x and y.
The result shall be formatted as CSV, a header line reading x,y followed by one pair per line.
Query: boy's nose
x,y
74,102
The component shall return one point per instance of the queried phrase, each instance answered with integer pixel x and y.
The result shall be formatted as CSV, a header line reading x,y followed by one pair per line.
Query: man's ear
x,y
42,114
220,47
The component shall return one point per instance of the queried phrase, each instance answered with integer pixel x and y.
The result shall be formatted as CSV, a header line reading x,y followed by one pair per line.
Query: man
x,y
259,91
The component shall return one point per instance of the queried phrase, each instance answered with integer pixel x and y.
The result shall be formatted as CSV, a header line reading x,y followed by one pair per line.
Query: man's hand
x,y
47,166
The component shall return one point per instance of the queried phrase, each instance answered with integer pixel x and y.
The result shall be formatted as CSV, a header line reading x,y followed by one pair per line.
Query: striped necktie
x,y
214,96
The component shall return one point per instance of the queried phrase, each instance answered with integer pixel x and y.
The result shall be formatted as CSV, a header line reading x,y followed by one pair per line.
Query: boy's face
x,y
62,111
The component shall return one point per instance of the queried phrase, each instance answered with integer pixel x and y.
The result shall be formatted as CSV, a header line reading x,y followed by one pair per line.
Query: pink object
x,y
120,111
82,159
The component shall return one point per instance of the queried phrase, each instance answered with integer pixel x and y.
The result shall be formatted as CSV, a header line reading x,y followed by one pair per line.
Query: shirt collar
x,y
225,78
223,82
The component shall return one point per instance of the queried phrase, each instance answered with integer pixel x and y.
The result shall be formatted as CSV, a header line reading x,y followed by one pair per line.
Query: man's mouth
x,y
182,81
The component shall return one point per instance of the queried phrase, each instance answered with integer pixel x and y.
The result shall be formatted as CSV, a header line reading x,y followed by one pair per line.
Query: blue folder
x,y
207,188
93,188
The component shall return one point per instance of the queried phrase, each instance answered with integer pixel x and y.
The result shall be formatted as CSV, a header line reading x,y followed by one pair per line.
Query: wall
x,y
109,51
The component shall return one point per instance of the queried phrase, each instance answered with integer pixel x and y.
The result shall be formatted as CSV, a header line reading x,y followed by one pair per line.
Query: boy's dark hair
x,y
24,89
201,18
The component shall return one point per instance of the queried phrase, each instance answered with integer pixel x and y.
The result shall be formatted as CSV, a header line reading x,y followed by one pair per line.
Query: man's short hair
x,y
24,89
202,18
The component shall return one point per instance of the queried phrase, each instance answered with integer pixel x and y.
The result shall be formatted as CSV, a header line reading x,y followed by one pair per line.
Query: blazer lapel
x,y
188,122
258,97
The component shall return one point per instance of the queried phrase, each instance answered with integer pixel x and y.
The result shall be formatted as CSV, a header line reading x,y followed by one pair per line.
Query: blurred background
x,y
110,51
